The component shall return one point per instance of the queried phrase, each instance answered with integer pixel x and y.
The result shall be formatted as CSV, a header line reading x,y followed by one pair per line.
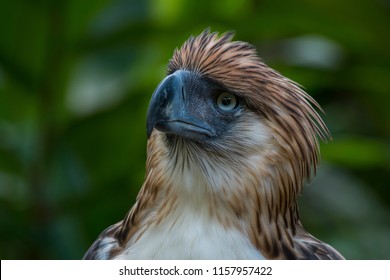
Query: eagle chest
x,y
188,235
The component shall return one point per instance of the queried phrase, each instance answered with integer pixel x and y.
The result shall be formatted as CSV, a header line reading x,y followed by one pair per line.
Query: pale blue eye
x,y
226,101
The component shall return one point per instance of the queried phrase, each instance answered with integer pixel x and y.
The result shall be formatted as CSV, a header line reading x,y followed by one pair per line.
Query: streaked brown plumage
x,y
240,182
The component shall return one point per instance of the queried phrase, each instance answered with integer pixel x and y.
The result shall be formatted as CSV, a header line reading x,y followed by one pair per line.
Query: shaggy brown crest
x,y
236,66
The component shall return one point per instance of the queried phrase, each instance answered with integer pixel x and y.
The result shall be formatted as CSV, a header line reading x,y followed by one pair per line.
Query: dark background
x,y
76,78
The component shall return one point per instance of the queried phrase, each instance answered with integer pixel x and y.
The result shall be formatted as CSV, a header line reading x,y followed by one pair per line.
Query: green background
x,y
76,78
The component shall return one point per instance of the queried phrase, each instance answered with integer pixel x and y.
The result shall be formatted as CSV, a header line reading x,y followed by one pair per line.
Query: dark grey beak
x,y
172,111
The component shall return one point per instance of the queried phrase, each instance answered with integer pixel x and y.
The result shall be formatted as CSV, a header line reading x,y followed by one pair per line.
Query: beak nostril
x,y
183,93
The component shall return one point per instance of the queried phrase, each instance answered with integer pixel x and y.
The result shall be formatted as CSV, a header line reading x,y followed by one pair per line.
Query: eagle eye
x,y
227,101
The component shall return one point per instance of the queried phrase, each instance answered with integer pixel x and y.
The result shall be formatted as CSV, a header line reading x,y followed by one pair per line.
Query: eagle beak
x,y
172,112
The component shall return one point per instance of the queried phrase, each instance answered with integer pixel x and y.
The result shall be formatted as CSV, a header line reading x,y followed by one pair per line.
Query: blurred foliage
x,y
76,77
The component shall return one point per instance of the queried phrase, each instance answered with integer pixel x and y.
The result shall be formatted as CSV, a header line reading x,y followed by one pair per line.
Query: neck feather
x,y
255,198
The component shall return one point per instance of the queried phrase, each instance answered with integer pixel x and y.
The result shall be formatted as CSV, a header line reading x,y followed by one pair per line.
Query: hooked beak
x,y
171,111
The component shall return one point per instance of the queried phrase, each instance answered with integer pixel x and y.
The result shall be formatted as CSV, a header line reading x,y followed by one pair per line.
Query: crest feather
x,y
236,66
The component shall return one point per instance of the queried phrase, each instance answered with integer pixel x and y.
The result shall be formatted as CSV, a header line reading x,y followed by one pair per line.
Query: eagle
x,y
230,144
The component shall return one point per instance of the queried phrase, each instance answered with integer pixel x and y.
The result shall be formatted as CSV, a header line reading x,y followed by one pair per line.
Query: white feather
x,y
186,235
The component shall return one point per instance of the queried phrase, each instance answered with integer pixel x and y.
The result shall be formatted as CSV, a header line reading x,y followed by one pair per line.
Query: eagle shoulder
x,y
311,248
105,245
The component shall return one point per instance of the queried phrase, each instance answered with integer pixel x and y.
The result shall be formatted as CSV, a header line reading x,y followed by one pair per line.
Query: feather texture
x,y
235,197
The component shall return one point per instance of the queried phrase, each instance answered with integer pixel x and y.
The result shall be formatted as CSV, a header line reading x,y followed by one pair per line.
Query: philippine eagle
x,y
230,144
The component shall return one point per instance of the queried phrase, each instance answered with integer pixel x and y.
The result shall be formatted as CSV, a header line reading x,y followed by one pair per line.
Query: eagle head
x,y
230,145
223,111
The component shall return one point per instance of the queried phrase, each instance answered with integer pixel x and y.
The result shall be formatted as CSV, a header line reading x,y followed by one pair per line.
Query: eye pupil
x,y
227,101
